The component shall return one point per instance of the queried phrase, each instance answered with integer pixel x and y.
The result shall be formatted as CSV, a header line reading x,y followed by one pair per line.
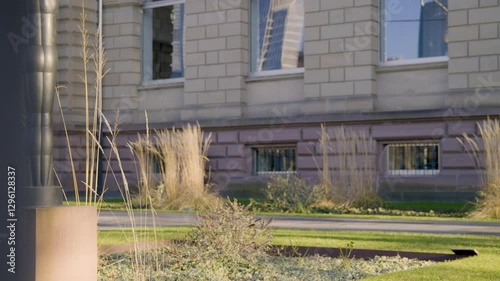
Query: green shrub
x,y
228,244
290,194
231,235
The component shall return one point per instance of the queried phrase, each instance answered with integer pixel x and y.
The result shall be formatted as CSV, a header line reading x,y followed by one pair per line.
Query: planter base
x,y
58,244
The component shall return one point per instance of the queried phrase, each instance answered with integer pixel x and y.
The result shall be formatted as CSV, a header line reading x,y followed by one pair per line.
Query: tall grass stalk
x,y
92,122
85,60
487,155
181,156
167,155
93,126
68,145
194,155
348,172
137,261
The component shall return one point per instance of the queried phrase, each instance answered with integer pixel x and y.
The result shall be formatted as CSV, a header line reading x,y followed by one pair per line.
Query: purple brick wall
x,y
230,153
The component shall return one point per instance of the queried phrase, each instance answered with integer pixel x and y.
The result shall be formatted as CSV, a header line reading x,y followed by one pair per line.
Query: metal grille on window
x,y
274,160
413,159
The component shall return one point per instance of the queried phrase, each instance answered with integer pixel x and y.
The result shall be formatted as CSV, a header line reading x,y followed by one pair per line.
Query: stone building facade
x,y
412,73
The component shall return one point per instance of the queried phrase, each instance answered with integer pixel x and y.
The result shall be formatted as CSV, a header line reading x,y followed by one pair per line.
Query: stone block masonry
x,y
70,67
341,45
474,44
122,31
216,59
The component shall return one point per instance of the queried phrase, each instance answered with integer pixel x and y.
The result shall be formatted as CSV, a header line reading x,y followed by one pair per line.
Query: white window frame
x,y
251,46
412,173
417,61
158,82
381,46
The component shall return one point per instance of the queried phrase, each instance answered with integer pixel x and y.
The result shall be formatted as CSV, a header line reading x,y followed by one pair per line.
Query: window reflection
x,y
414,29
277,34
163,42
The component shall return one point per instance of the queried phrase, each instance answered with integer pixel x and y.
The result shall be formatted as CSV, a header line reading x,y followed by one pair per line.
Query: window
x,y
163,32
413,159
277,34
413,29
272,160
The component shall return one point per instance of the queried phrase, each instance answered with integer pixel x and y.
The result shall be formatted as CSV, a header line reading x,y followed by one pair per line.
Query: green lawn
x,y
482,267
114,237
486,266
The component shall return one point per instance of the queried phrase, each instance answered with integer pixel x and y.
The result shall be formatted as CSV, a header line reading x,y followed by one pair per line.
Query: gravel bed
x,y
175,266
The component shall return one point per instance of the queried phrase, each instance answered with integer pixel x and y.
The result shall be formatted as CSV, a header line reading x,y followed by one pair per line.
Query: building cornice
x,y
437,115
122,3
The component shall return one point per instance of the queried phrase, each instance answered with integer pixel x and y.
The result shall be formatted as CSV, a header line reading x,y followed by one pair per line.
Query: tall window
x,y
267,160
413,159
413,29
163,32
277,34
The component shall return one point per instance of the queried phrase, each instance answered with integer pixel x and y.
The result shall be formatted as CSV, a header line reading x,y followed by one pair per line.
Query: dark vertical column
x,y
41,67
13,151
27,79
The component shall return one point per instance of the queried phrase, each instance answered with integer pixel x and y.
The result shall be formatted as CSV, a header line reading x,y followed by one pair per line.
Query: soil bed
x,y
295,251
292,251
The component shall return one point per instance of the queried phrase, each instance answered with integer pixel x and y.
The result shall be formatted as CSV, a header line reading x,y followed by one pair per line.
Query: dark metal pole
x,y
41,69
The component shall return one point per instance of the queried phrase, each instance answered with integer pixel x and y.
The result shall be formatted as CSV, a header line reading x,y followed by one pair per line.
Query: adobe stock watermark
x,y
471,103
12,219
29,30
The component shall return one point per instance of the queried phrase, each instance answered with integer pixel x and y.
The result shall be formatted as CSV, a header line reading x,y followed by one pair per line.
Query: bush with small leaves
x,y
290,194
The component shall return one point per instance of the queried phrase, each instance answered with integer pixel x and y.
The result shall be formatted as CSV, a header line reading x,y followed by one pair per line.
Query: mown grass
x,y
436,243
483,267
115,237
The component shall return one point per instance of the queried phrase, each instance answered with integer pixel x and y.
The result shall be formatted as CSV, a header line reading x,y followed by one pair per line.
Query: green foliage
x,y
330,208
228,244
231,235
290,194
345,255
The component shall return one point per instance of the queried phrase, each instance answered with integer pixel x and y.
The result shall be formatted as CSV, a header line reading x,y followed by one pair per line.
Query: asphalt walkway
x,y
116,220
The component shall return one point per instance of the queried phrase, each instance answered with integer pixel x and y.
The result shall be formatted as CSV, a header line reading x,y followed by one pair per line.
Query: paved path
x,y
114,220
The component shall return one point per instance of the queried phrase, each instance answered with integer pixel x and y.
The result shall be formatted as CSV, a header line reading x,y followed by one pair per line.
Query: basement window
x,y
413,159
274,160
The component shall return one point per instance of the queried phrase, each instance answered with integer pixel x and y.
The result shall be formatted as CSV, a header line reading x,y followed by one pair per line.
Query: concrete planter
x,y
59,244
